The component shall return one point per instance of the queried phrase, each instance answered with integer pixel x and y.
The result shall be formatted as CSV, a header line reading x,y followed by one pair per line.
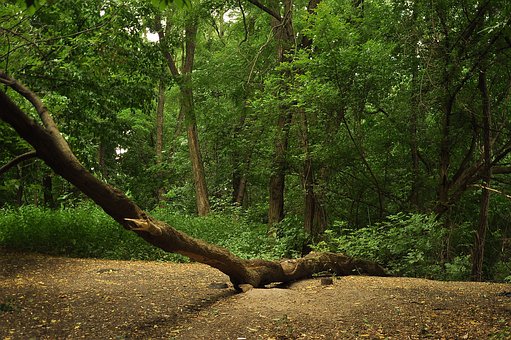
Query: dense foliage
x,y
86,231
383,124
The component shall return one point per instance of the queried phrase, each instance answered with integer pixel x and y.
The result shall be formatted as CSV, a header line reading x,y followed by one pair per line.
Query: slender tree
x,y
184,80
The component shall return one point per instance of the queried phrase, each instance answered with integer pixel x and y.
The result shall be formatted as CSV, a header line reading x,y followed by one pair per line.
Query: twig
x,y
491,189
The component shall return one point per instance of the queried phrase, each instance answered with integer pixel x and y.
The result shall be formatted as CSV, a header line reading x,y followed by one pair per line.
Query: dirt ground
x,y
43,297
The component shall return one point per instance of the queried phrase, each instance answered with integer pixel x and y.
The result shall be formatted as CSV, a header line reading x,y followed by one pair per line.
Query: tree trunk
x,y
184,80
21,187
199,179
314,214
283,29
480,237
445,159
278,176
413,127
48,199
159,133
239,186
52,148
241,162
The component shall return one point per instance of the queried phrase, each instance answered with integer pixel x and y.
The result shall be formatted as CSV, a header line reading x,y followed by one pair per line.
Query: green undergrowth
x,y
87,231
413,245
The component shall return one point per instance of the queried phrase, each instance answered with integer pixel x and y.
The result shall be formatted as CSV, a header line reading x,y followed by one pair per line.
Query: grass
x,y
86,231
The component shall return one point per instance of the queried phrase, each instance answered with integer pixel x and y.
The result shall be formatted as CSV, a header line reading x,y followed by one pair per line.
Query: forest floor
x,y
44,297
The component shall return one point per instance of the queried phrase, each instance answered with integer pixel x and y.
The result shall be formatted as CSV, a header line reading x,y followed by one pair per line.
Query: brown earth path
x,y
44,297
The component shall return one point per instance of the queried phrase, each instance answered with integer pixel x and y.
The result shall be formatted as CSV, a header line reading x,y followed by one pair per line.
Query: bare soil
x,y
44,297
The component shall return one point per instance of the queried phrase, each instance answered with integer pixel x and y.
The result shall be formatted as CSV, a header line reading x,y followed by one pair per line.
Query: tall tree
x,y
283,32
184,80
480,236
160,110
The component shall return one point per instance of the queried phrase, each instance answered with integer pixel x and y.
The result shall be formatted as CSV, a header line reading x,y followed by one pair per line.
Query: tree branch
x,y
501,170
244,23
164,48
17,160
41,109
268,10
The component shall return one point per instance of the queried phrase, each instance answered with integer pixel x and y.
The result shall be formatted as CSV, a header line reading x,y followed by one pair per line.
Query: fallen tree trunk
x,y
51,147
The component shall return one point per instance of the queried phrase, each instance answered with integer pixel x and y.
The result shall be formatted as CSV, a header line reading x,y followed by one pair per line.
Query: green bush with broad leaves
x,y
406,244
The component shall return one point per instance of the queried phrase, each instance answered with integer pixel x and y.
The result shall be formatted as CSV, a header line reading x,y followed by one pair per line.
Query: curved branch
x,y
164,48
268,10
17,160
244,23
38,104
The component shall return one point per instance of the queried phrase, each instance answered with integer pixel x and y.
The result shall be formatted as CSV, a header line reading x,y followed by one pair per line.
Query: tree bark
x,y
48,199
160,108
278,176
314,215
480,237
52,148
314,220
284,35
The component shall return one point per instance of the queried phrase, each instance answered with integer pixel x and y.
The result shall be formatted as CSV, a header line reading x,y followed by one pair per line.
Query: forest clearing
x,y
48,297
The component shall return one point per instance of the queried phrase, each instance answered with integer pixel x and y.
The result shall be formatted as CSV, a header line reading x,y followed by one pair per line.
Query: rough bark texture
x,y
55,152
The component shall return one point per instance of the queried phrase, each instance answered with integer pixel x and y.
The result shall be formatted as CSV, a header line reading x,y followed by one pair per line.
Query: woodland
x,y
272,140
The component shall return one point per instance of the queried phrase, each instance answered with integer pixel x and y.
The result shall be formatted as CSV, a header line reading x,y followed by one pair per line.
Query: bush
x,y
406,244
87,231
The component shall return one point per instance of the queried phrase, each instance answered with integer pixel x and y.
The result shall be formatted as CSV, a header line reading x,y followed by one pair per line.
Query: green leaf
x,y
162,4
30,5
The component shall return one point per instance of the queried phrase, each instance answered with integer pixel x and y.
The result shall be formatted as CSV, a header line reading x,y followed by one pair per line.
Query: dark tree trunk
x,y
21,187
480,237
284,35
52,148
314,214
48,199
278,176
239,183
413,127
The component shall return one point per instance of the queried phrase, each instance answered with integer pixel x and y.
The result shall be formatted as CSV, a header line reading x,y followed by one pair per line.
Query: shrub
x,y
406,244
